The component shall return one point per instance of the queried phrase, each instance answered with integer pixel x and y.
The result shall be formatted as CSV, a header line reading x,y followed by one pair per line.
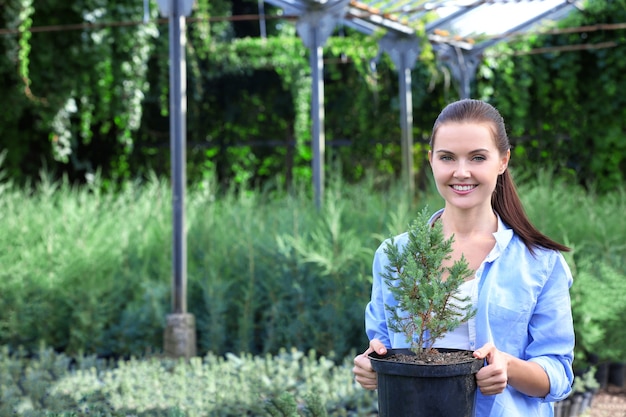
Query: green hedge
x,y
89,271
290,383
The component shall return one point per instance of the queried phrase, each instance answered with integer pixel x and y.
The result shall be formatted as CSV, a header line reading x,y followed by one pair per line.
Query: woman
x,y
523,325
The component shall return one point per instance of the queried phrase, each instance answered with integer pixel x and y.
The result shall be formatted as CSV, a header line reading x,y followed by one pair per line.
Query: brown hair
x,y
504,200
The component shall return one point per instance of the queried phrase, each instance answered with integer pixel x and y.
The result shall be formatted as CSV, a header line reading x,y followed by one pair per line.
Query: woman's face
x,y
466,164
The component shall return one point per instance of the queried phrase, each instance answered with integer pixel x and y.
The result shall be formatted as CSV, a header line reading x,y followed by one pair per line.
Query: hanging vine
x,y
564,109
25,23
104,105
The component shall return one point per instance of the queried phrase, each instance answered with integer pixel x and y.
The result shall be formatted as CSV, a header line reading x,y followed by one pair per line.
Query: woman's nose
x,y
461,171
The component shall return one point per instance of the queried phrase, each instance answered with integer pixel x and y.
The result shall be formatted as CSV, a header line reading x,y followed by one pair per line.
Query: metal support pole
x,y
317,115
314,27
180,334
406,122
463,64
262,28
178,136
403,51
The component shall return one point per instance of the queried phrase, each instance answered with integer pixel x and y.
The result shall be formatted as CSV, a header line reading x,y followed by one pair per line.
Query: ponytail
x,y
506,202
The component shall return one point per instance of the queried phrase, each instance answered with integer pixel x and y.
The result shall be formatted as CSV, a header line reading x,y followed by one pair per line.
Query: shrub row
x,y
290,383
89,271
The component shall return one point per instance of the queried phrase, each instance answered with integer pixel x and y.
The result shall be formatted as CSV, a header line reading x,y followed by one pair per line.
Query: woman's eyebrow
x,y
481,150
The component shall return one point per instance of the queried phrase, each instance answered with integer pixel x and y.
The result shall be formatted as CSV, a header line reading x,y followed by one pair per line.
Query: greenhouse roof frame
x,y
458,18
459,31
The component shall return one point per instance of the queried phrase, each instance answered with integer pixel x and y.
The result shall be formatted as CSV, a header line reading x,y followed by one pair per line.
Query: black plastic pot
x,y
575,407
587,400
562,408
414,390
602,374
617,373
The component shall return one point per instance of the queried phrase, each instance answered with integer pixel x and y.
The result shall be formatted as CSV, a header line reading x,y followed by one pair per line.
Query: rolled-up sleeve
x,y
551,329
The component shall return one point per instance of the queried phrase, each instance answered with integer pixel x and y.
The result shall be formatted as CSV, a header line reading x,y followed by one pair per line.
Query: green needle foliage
x,y
426,307
283,406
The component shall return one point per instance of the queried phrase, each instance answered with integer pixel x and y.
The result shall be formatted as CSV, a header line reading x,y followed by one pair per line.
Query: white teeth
x,y
463,187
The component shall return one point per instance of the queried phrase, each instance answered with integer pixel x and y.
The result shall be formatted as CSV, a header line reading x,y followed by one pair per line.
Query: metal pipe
x,y
178,131
317,113
406,120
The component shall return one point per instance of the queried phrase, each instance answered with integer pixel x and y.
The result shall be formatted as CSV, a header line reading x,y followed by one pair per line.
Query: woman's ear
x,y
505,161
430,157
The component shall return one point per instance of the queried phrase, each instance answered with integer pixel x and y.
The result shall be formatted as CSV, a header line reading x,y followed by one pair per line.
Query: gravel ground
x,y
610,402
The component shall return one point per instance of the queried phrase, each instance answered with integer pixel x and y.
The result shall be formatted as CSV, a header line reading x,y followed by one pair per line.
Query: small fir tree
x,y
284,405
426,308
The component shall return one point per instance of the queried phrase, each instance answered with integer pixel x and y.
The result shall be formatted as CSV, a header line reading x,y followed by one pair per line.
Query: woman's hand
x,y
525,376
493,378
362,370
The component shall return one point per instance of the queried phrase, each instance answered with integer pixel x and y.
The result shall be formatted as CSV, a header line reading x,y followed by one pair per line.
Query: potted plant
x,y
588,385
423,380
598,309
579,401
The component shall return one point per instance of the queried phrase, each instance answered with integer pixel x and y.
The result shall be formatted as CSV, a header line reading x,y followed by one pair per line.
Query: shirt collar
x,y
503,235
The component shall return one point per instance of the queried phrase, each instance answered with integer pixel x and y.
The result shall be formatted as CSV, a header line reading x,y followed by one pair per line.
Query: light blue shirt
x,y
523,308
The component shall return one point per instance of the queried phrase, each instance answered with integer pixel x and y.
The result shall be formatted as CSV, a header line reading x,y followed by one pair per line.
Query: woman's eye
x,y
479,158
445,158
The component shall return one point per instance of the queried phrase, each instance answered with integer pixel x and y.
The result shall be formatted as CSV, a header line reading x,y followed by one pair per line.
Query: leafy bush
x,y
599,306
266,269
51,384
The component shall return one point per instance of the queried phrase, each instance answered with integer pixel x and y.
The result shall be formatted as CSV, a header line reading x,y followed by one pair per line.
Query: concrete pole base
x,y
180,336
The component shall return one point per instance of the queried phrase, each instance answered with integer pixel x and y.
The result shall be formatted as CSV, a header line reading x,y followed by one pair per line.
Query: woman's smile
x,y
463,188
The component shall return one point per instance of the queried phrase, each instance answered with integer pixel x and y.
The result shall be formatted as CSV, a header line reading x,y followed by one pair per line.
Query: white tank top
x,y
459,338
